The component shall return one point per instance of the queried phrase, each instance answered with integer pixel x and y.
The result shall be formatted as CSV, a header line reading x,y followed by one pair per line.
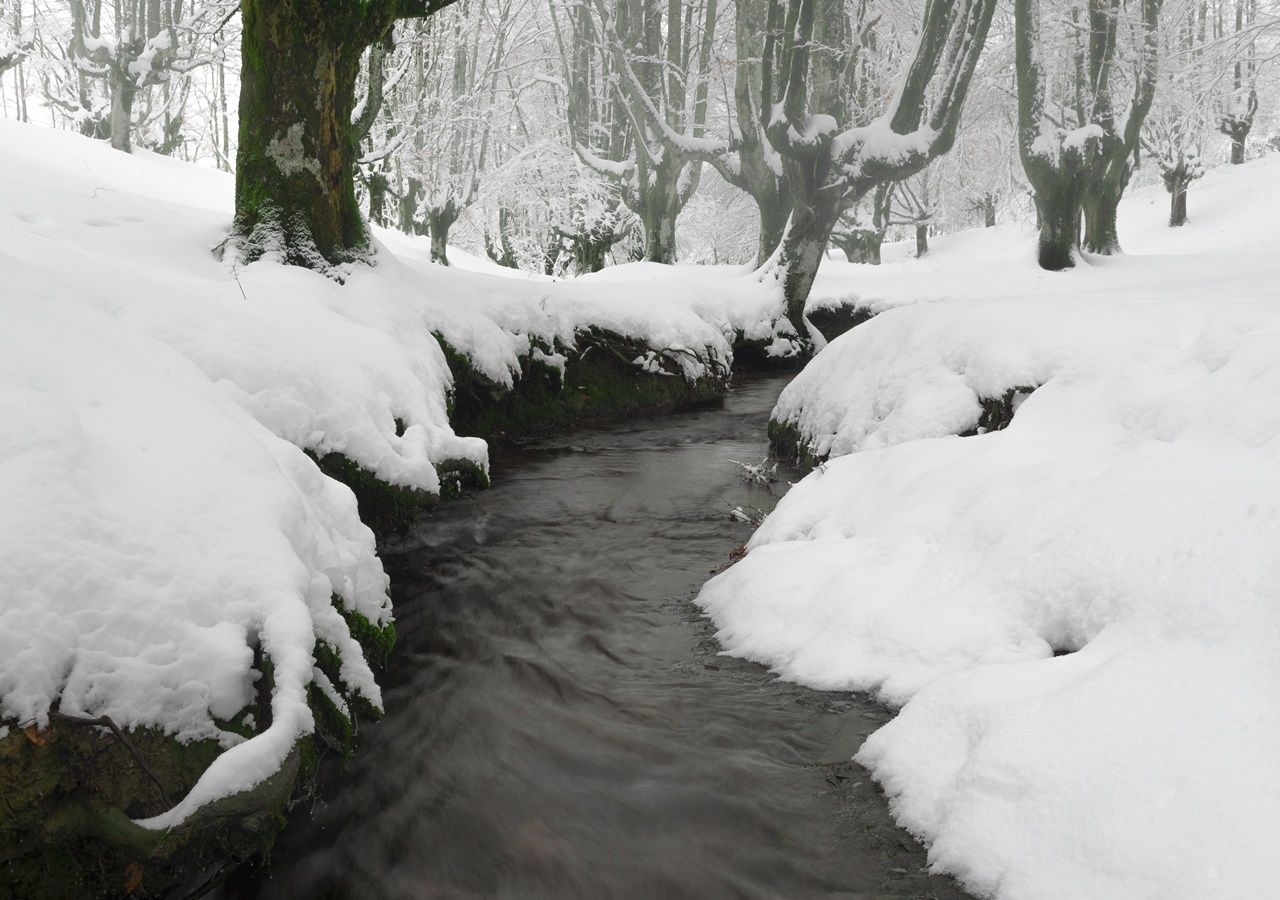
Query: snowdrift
x,y
1079,611
161,523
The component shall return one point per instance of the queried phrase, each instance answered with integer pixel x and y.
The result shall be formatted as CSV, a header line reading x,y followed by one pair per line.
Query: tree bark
x,y
1059,214
1101,205
1178,205
799,256
922,241
295,187
122,90
861,245
439,221
295,167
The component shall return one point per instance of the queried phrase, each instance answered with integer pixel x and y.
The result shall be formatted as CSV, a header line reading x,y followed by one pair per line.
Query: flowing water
x,y
559,723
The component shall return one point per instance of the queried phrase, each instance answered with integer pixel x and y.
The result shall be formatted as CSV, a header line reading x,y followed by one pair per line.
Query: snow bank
x,y
1128,518
160,520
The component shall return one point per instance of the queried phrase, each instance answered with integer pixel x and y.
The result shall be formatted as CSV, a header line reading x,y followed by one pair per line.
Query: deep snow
x,y
1128,519
159,517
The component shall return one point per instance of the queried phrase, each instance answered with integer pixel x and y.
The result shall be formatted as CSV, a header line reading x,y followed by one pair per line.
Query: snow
x,y
160,518
1127,518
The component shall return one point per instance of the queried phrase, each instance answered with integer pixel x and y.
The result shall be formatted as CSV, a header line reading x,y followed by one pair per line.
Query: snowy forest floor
x,y
1047,528
1078,611
171,555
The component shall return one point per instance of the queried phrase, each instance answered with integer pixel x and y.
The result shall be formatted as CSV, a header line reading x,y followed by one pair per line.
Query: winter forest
x,y
639,448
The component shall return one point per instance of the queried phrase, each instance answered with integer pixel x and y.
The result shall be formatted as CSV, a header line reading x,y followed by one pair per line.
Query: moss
x,y
390,509
786,443
71,792
599,382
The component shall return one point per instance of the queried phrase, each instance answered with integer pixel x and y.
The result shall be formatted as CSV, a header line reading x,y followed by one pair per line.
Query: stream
x,y
559,723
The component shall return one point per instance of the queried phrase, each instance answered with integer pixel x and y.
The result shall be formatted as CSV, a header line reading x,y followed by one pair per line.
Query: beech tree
x,y
830,168
660,65
295,166
745,158
1078,151
1241,105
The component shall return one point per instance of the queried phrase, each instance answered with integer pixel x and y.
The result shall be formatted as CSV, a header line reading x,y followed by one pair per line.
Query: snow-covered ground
x,y
1079,613
158,518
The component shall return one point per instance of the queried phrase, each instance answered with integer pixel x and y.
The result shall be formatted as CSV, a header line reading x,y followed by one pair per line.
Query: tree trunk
x,y
861,245
774,213
803,246
439,221
123,90
378,185
1059,213
295,169
1100,207
922,241
1237,147
658,208
1178,202
659,220
989,213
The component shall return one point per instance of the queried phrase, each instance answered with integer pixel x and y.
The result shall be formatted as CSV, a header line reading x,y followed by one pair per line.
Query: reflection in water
x,y
558,722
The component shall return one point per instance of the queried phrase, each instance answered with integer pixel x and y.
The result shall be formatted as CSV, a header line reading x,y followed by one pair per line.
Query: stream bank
x,y
559,723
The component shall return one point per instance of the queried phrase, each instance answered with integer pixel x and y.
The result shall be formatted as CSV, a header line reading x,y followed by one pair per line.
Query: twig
x,y
105,722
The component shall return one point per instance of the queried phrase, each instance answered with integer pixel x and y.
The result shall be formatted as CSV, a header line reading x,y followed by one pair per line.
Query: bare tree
x,y
1085,168
830,169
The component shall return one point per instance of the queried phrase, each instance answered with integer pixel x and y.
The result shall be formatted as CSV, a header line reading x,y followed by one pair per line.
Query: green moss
x,y
71,792
599,382
786,443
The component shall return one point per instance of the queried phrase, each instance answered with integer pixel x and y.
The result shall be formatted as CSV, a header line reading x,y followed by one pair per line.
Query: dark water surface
x,y
559,723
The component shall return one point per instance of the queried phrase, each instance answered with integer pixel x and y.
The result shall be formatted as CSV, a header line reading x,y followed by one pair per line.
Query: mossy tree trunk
x,y
1101,205
295,168
439,221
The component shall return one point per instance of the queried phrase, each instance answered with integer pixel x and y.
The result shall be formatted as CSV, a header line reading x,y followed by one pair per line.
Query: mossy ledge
x,y
390,509
72,790
599,381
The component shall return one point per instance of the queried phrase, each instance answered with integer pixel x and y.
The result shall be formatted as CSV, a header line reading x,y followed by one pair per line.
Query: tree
x,y
744,159
1236,118
1082,169
660,75
142,45
295,167
830,169
861,230
1177,124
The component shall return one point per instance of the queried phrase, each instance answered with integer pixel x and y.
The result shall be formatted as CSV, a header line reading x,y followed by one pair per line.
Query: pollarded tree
x,y
744,158
830,168
1241,105
1174,134
664,57
1078,150
142,44
295,171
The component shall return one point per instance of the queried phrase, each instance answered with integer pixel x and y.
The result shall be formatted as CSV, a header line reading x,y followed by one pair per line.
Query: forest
x,y
639,448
